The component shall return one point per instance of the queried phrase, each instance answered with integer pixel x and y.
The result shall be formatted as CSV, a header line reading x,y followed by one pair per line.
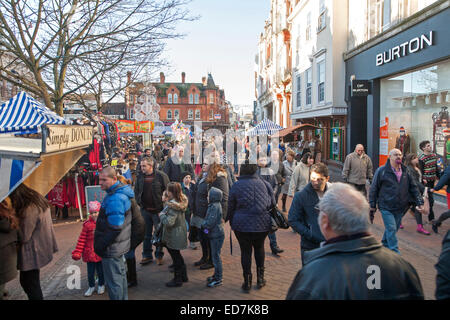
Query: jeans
x,y
391,223
273,240
31,284
115,278
92,267
177,258
235,164
247,242
151,220
216,247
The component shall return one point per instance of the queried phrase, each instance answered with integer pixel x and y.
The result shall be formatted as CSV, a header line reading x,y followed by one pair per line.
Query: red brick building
x,y
188,102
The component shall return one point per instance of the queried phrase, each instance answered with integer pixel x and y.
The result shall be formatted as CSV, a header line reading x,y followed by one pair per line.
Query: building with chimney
x,y
188,102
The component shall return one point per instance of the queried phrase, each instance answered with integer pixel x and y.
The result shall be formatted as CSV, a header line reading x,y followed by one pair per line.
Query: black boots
x,y
131,272
276,250
201,262
260,282
246,286
179,277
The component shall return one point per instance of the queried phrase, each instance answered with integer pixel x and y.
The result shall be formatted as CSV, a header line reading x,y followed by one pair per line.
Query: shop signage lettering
x,y
67,137
406,48
360,88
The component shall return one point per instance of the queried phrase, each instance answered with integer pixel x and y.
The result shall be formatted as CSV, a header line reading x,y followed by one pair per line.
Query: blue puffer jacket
x,y
248,204
113,228
213,219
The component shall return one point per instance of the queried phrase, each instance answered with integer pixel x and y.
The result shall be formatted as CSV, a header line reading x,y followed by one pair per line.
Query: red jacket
x,y
85,244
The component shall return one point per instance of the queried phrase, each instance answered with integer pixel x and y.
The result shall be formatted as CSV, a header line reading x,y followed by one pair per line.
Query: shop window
x,y
417,101
308,86
169,114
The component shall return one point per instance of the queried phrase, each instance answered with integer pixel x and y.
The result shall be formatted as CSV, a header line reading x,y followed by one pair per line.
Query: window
x,y
169,114
131,114
169,98
308,86
190,114
196,98
211,98
197,115
191,98
175,98
299,92
322,16
321,80
211,114
308,26
177,114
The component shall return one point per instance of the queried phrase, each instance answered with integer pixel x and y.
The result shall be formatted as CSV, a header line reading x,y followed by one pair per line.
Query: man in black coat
x,y
352,264
443,270
303,213
149,187
175,165
392,189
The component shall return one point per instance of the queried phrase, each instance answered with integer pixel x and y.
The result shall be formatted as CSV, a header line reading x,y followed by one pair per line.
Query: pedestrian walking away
x,y
301,174
393,190
85,250
344,223
358,169
112,237
304,211
288,166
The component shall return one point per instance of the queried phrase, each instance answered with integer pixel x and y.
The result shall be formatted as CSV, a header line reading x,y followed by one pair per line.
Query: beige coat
x,y
299,178
357,169
38,241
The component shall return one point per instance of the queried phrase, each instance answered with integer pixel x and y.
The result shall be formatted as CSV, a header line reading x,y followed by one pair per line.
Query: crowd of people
x,y
169,203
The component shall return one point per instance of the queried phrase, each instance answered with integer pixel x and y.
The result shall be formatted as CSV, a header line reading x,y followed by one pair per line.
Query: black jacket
x,y
303,217
158,186
343,270
443,270
201,195
174,171
391,195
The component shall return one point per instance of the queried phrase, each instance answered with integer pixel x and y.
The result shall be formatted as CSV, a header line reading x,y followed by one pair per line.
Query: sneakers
x,y
421,230
214,283
145,261
100,290
89,292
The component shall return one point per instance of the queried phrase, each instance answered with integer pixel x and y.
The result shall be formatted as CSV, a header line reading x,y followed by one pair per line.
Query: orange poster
x,y
144,126
384,141
125,126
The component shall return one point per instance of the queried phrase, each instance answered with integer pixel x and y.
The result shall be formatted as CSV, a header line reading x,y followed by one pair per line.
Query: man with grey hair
x,y
351,264
358,169
393,189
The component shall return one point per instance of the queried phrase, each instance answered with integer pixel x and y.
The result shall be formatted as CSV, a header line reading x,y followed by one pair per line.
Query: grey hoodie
x,y
213,219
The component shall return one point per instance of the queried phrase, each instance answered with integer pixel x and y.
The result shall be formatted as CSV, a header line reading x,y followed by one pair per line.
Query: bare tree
x,y
76,46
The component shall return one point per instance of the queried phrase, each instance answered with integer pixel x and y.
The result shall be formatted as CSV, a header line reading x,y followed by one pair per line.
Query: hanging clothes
x,y
58,195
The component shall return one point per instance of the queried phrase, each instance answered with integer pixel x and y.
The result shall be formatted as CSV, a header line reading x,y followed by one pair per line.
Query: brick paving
x,y
420,250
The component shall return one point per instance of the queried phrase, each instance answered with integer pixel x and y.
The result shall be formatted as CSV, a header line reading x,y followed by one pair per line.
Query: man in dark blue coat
x,y
392,189
303,213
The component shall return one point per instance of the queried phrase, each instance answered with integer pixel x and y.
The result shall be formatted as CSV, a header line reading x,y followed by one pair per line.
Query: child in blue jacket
x,y
213,227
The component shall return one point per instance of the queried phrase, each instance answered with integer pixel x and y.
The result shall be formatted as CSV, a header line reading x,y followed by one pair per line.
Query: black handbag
x,y
279,221
157,238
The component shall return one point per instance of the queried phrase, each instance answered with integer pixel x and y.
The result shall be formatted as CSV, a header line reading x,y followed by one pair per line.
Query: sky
x,y
223,41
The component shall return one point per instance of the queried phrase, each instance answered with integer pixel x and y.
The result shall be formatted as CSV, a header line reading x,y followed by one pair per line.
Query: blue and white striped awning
x,y
265,127
23,114
13,173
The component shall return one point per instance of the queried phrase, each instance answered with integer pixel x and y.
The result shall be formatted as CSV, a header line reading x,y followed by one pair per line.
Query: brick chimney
x,y
162,77
204,81
183,77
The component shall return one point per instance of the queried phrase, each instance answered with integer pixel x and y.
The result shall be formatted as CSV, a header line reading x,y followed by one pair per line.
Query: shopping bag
x,y
426,203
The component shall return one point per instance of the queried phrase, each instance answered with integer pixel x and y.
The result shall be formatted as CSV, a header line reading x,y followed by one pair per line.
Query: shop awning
x,y
285,132
265,127
13,173
22,114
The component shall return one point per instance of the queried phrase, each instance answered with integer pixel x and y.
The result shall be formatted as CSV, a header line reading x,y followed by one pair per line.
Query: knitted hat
x,y
94,206
184,174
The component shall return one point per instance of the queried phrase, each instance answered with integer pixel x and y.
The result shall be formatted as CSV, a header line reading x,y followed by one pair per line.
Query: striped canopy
x,y
265,127
13,173
23,114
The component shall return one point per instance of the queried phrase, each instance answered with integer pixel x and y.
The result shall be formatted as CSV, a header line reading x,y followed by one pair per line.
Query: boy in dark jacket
x,y
213,227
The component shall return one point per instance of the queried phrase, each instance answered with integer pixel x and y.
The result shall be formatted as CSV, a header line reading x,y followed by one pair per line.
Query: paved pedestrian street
x,y
420,250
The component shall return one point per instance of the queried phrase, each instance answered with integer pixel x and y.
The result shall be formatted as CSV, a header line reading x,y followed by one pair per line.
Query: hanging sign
x,y
384,141
361,88
62,137
125,126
